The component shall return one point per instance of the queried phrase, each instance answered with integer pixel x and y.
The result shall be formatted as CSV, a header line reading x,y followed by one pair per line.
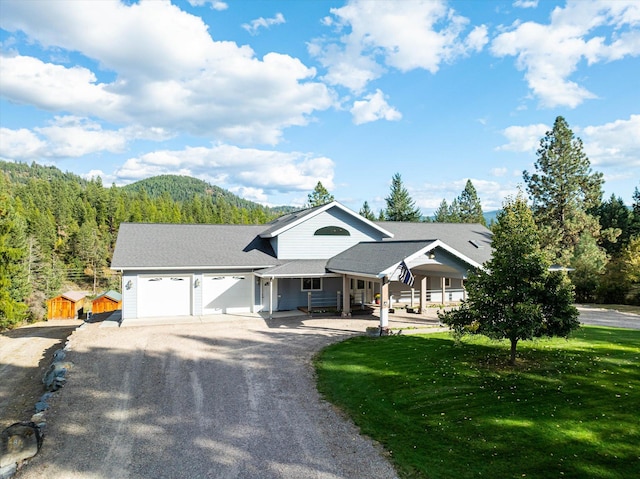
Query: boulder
x,y
19,442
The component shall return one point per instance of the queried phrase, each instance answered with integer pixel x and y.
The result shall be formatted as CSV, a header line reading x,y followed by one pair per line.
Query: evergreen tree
x,y
615,223
319,196
469,207
442,214
634,227
562,190
514,296
14,285
366,212
400,206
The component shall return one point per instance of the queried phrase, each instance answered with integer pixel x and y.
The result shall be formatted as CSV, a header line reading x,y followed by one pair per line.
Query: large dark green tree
x,y
514,296
400,205
14,286
563,189
319,196
615,223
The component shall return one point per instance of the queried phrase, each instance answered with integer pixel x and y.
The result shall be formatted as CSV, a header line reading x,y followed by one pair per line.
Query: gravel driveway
x,y
228,399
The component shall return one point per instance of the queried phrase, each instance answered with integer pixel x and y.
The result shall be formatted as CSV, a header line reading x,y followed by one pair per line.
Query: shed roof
x,y
74,296
111,294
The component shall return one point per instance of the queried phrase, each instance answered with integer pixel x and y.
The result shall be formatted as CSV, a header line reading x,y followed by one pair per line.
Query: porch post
x,y
346,296
423,294
271,298
443,287
384,303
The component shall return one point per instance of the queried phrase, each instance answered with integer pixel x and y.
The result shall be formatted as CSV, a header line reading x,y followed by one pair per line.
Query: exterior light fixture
x,y
129,285
196,283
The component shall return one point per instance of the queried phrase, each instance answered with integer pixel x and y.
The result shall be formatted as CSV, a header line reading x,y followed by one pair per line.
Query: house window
x,y
332,231
447,282
311,284
360,284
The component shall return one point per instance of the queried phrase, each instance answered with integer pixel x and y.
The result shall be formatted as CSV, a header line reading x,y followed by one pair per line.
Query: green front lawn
x,y
568,409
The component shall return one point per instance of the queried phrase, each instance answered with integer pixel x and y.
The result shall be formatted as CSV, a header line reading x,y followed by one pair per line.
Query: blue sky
x,y
266,98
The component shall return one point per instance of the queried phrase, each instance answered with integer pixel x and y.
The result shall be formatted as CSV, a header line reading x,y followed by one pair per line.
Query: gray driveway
x,y
234,398
606,317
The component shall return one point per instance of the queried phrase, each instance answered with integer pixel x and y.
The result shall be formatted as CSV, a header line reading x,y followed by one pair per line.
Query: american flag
x,y
405,274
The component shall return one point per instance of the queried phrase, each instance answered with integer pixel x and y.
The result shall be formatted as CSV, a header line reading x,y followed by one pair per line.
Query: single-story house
x,y
69,305
106,302
318,257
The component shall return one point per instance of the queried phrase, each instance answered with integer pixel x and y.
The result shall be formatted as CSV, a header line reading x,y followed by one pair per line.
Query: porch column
x,y
346,296
271,298
384,302
443,287
423,294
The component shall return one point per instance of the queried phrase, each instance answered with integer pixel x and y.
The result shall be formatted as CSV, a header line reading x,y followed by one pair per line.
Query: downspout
x,y
271,297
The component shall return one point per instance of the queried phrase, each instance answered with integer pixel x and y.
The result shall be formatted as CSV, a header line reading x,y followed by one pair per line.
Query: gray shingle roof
x,y
173,246
191,246
460,236
297,268
371,258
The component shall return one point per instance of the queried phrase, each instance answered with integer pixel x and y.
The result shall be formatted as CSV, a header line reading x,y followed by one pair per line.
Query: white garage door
x,y
226,294
164,296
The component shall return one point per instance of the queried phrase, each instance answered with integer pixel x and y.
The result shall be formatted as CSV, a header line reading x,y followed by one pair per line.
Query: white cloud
x,y
169,73
549,54
374,107
255,25
523,138
526,3
68,137
491,193
407,35
499,172
242,169
615,144
215,4
20,144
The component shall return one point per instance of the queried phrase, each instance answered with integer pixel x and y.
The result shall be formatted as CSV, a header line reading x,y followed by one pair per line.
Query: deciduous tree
x,y
514,296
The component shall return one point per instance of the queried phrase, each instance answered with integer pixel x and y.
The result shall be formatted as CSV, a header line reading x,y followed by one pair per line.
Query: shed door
x,y
164,296
226,294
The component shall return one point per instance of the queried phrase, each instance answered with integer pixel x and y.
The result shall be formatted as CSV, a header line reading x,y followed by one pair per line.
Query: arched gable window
x,y
332,231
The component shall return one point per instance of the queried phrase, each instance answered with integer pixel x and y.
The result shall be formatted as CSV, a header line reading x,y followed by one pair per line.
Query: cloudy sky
x,y
266,98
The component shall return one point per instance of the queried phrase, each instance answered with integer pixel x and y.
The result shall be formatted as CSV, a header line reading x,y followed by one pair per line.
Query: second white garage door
x,y
164,296
226,294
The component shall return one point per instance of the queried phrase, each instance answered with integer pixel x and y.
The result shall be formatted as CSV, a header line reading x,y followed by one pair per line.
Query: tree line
x,y
53,223
597,241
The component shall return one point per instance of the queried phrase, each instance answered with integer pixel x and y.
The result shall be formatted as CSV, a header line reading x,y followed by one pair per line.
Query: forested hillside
x,y
58,231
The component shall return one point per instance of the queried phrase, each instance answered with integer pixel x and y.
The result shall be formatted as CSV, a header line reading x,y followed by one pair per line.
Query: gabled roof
x,y
74,296
375,257
287,222
173,246
111,294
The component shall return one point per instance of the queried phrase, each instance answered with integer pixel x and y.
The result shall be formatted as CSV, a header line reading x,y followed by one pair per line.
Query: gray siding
x,y
299,242
292,296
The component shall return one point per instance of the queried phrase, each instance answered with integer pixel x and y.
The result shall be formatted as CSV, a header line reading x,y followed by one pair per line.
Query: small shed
x,y
109,301
69,305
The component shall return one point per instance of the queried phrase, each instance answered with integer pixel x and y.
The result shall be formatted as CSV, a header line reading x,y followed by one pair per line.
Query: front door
x,y
269,294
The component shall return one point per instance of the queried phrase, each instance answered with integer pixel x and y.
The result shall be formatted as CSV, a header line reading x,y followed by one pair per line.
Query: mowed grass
x,y
569,409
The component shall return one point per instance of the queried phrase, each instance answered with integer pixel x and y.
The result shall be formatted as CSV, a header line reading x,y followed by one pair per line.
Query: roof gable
x,y
286,222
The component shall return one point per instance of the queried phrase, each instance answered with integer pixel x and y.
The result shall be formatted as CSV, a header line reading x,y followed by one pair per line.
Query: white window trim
x,y
447,282
302,288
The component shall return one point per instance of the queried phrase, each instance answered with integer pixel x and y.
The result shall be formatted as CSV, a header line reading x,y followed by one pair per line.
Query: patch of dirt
x,y
25,355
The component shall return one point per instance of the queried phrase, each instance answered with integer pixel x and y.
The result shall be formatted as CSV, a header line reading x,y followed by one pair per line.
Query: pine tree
x,y
442,214
400,206
14,285
319,196
366,212
469,207
563,189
